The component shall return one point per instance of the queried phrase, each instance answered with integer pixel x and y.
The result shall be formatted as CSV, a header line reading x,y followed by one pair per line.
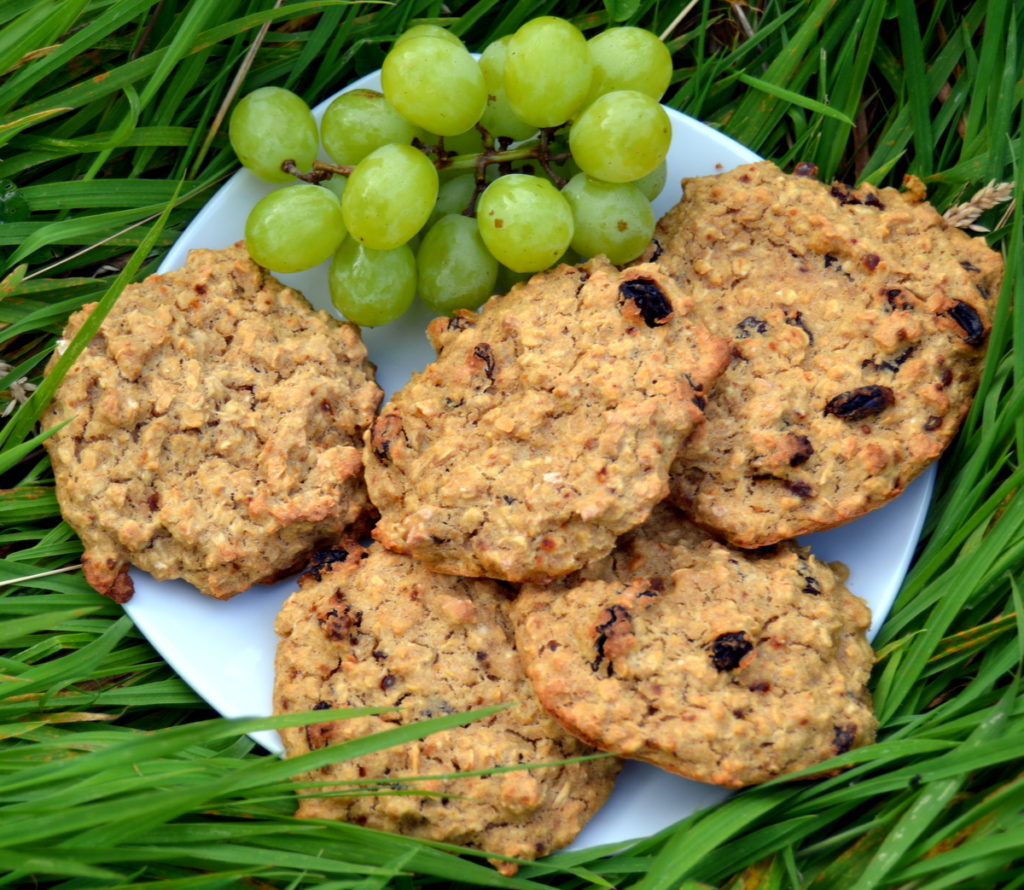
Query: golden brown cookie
x,y
546,425
723,665
859,319
215,430
384,631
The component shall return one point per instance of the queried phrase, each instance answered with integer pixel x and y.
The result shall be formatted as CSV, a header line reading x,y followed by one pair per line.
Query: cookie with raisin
x,y
859,319
546,425
213,429
377,629
723,665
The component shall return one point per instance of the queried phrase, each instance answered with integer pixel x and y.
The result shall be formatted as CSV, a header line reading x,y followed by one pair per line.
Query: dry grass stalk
x,y
993,194
19,391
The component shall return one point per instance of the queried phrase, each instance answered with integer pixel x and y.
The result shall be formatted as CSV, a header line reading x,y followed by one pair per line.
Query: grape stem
x,y
321,172
495,151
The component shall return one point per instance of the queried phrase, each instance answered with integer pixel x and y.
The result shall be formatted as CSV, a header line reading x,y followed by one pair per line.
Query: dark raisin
x,y
806,168
384,429
323,560
484,352
481,656
843,739
803,451
842,196
379,654
872,201
932,424
796,319
387,681
969,266
654,306
871,261
339,625
728,650
657,252
153,501
657,585
811,585
967,317
802,489
761,686
864,401
605,630
322,706
200,289
947,377
831,260
894,297
750,326
700,402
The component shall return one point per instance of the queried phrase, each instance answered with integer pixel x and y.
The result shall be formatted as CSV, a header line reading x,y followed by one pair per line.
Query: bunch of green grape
x,y
464,173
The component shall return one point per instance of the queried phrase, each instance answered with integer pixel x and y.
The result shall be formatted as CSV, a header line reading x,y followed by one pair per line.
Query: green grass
x,y
113,773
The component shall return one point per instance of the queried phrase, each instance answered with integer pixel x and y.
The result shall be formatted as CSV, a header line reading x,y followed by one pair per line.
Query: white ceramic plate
x,y
225,650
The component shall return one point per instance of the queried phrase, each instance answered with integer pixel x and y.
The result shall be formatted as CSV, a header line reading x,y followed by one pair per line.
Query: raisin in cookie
x,y
860,320
723,665
215,429
545,427
384,631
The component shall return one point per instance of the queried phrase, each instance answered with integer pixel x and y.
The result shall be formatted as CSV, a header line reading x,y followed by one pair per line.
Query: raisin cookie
x,y
723,665
546,425
860,321
381,630
214,429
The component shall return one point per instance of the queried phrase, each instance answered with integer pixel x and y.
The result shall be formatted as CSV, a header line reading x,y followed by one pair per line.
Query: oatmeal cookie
x,y
215,429
860,320
723,665
545,427
378,629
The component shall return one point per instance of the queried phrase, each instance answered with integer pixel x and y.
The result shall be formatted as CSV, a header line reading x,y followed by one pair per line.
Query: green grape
x,y
294,228
454,268
498,116
359,122
434,84
389,196
372,287
453,196
610,218
652,184
547,71
622,136
427,31
271,125
524,221
629,59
